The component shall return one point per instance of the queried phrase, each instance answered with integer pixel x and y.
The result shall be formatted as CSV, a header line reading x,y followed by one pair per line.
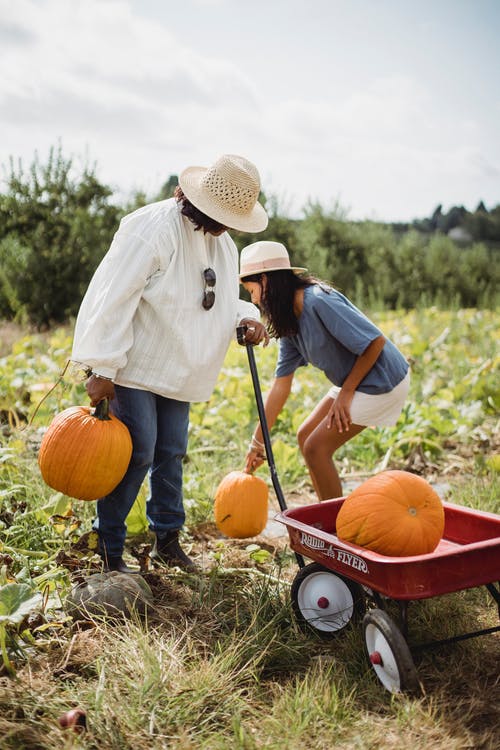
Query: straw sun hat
x,y
228,192
264,256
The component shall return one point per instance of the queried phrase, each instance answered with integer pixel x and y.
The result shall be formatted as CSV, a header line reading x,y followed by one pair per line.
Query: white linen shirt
x,y
142,323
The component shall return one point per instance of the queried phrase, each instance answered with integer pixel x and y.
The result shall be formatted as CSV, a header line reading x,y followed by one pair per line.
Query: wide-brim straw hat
x,y
227,192
265,256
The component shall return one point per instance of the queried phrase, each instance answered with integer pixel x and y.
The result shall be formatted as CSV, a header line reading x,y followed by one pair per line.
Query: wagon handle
x,y
240,334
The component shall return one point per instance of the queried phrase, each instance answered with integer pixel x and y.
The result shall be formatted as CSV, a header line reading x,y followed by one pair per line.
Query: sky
x,y
380,108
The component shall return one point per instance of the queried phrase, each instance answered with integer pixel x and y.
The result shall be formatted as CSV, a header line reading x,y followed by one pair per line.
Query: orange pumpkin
x,y
85,452
394,513
240,507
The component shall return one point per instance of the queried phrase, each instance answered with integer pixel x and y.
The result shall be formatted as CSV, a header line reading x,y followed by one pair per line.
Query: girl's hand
x,y
339,414
254,459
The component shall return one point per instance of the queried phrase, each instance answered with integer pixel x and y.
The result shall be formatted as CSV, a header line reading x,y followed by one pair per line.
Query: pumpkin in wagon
x,y
394,513
240,507
85,452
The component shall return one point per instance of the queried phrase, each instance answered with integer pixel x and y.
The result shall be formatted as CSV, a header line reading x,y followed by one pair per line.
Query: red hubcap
x,y
375,658
323,602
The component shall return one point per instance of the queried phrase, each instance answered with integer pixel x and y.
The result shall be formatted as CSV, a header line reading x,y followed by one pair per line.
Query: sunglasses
x,y
209,293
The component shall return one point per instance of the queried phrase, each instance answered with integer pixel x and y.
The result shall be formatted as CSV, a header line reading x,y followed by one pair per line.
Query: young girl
x,y
316,324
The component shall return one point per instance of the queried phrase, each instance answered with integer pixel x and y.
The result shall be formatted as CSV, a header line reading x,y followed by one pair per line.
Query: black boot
x,y
167,551
116,563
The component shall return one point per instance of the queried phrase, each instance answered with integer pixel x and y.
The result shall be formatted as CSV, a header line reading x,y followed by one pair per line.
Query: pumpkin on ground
x,y
85,452
111,594
240,507
394,513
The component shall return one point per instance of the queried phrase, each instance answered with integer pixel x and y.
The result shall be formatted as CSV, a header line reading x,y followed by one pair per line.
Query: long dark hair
x,y
277,300
199,219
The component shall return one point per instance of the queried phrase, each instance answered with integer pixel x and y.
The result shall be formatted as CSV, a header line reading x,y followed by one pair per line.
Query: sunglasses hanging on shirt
x,y
209,293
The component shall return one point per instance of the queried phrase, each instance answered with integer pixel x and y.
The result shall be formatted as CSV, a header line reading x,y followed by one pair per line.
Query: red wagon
x,y
329,592
333,590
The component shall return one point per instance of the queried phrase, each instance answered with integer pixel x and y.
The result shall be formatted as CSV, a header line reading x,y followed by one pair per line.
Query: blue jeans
x,y
159,430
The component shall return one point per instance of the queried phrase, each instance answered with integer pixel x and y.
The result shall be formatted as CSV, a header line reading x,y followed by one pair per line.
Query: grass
x,y
220,661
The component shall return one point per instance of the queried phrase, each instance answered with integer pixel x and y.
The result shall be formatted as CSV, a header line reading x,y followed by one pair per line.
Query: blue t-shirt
x,y
332,334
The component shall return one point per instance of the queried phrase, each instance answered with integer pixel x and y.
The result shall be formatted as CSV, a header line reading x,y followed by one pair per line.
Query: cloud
x,y
102,58
14,35
145,101
102,78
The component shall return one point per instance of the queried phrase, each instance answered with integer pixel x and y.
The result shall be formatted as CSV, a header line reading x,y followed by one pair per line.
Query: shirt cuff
x,y
248,317
104,372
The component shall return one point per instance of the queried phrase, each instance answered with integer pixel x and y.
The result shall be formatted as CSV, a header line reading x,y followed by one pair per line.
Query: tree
x,y
55,227
167,189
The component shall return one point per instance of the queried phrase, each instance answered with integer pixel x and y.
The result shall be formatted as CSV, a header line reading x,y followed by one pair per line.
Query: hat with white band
x,y
265,256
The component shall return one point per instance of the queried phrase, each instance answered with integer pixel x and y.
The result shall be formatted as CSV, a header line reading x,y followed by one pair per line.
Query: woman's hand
x,y
99,389
339,414
255,331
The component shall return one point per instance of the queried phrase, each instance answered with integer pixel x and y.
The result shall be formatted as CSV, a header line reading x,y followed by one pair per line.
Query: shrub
x,y
55,227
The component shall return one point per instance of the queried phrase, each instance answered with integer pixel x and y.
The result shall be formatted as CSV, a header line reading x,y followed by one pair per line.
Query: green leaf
x,y
257,553
58,505
260,556
16,601
136,521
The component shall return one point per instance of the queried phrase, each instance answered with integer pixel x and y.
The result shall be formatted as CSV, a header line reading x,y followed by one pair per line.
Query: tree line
x,y
57,222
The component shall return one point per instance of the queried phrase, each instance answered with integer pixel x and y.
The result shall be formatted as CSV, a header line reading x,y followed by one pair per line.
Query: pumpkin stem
x,y
101,411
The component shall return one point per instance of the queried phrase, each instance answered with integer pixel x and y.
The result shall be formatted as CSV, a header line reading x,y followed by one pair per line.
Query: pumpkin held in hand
x,y
85,452
394,513
240,507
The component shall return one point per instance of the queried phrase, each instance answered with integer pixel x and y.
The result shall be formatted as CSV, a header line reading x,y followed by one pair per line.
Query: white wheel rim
x,y
335,597
387,671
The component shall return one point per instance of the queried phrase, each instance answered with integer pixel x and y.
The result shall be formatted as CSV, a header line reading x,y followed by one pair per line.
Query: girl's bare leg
x,y
318,444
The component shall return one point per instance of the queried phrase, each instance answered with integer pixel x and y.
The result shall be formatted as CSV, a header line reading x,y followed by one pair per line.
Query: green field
x,y
220,661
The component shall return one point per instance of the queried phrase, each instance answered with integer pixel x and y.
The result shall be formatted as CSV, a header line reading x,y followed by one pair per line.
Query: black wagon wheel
x,y
325,601
389,654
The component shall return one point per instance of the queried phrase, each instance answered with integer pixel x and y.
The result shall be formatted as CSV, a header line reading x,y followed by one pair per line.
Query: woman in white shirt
x,y
154,327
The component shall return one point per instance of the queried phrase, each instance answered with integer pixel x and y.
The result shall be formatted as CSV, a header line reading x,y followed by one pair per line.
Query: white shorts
x,y
380,410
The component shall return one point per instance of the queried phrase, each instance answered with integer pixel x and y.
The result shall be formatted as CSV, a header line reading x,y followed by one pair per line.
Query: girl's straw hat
x,y
265,256
228,192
